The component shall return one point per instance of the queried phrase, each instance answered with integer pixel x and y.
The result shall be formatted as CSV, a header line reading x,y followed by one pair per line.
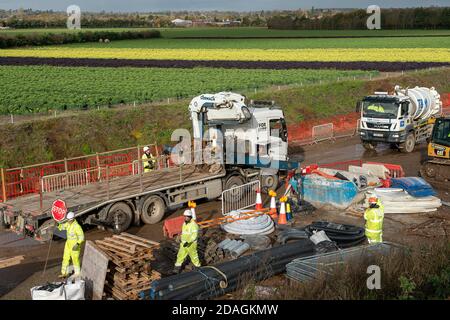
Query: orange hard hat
x,y
373,199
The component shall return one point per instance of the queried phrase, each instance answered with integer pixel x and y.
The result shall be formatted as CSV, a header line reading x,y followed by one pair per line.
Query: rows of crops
x,y
228,64
251,32
170,43
373,54
46,88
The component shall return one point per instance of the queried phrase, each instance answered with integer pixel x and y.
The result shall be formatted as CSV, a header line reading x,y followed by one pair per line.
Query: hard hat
x,y
373,199
187,213
146,149
70,215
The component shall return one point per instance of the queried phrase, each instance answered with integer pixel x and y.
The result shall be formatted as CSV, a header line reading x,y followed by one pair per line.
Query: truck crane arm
x,y
223,107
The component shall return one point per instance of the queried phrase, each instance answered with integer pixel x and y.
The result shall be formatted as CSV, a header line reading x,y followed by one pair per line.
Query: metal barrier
x,y
62,181
240,197
322,132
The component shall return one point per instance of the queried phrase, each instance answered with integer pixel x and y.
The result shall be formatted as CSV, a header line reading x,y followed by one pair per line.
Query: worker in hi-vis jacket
x,y
75,237
188,245
374,220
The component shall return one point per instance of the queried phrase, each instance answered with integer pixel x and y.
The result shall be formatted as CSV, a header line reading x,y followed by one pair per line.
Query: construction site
x,y
208,158
271,214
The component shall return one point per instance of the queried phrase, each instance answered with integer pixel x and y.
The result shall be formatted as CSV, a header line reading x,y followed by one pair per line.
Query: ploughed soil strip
x,y
279,65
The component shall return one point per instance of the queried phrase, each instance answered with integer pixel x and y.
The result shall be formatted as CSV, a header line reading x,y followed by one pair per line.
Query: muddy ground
x,y
16,281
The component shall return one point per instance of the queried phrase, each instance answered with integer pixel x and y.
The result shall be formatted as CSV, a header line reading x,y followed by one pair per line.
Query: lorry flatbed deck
x,y
85,198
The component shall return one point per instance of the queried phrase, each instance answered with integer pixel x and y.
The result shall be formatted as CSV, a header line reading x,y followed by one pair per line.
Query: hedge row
x,y
42,39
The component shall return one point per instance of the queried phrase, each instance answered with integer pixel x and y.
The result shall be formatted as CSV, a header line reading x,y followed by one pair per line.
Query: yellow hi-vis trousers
x,y
70,254
190,251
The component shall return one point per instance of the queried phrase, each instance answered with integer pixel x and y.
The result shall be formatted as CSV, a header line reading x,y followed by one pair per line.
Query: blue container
x,y
322,192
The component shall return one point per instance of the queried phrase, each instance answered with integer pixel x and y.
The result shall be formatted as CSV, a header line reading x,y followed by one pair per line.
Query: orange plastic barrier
x,y
172,227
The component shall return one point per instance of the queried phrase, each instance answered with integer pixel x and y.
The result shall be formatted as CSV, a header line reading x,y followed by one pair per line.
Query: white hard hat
x,y
146,149
70,215
187,213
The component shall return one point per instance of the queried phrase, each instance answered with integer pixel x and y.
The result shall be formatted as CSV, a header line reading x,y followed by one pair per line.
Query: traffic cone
x,y
192,205
282,216
273,205
259,205
288,211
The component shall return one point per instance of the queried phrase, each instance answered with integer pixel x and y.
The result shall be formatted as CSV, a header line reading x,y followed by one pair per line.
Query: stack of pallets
x,y
129,271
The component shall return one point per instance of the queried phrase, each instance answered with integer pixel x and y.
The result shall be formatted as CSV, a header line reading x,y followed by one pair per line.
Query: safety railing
x,y
322,132
16,182
240,197
62,181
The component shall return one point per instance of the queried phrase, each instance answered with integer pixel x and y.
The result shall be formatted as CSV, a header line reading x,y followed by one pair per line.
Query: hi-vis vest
x,y
189,232
374,219
373,107
74,232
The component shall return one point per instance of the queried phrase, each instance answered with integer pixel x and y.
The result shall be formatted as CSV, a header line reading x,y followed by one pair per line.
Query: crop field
x,y
43,88
316,54
170,43
247,32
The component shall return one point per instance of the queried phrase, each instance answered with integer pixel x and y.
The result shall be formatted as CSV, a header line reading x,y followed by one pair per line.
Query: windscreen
x,y
376,109
441,134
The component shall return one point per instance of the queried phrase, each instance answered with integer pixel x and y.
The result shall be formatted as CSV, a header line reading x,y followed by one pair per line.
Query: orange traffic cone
x,y
273,205
192,205
282,216
259,204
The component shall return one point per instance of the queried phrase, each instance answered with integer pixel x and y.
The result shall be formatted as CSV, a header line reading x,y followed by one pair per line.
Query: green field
x,y
39,89
161,43
251,32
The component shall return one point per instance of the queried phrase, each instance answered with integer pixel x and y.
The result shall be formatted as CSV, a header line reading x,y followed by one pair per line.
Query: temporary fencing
x,y
314,131
240,197
71,172
395,171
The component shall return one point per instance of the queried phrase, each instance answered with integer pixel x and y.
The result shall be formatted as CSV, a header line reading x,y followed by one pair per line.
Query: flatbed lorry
x,y
117,203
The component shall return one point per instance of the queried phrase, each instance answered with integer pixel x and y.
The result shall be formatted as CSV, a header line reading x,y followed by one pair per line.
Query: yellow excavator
x,y
436,169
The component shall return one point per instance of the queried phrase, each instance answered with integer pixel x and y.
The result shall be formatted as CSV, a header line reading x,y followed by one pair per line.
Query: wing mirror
x,y
358,106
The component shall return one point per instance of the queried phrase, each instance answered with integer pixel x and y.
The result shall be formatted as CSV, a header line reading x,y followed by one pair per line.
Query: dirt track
x,y
398,228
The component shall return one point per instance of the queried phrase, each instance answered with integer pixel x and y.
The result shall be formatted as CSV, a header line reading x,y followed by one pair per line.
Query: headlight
x,y
395,135
362,133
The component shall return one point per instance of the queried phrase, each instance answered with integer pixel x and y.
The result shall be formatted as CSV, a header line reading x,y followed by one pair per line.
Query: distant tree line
x,y
410,18
41,39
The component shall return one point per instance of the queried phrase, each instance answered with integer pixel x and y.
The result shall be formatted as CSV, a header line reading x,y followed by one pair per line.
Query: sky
x,y
231,5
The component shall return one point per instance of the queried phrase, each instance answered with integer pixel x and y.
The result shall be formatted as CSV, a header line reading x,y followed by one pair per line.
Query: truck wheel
x,y
232,182
369,145
409,144
269,182
120,216
152,209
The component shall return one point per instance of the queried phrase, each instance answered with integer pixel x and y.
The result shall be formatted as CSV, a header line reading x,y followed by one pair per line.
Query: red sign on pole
x,y
59,210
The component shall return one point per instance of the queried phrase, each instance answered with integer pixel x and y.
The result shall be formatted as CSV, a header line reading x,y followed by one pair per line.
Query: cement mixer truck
x,y
399,119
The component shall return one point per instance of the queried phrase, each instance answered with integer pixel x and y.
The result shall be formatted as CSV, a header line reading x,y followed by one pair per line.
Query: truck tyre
x,y
269,182
233,181
369,145
152,209
119,217
409,144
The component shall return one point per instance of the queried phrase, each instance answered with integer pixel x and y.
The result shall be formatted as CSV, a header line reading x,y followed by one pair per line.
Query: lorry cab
x,y
385,118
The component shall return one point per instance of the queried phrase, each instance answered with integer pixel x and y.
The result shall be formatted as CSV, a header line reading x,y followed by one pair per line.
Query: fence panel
x,y
322,132
240,197
62,181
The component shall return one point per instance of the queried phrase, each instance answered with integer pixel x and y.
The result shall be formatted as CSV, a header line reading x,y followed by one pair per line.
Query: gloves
x,y
76,247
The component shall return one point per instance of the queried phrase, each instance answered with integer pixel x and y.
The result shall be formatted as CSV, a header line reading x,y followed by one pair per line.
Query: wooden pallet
x,y
129,272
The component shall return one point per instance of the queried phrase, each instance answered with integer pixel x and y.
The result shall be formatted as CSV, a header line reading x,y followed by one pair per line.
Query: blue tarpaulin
x,y
417,187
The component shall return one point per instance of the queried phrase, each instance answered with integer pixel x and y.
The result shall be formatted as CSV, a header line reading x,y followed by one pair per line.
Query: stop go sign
x,y
59,210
